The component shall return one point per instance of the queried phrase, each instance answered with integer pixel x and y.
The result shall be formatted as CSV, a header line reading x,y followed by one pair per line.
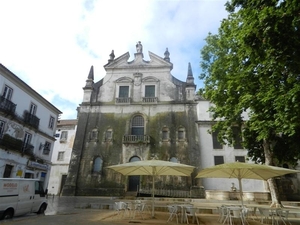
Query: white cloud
x,y
51,45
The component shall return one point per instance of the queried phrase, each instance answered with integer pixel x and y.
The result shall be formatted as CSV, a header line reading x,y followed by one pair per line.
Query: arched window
x,y
181,134
165,134
135,159
173,159
108,135
97,167
94,135
137,125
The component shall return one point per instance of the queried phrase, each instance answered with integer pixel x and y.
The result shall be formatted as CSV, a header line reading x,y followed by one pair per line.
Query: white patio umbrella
x,y
241,171
153,168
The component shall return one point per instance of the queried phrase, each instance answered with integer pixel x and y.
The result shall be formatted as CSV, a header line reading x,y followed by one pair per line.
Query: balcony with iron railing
x,y
150,100
46,151
123,100
7,106
136,139
10,143
31,119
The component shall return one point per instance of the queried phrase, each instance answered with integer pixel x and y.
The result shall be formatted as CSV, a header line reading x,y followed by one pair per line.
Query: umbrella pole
x,y
241,190
152,196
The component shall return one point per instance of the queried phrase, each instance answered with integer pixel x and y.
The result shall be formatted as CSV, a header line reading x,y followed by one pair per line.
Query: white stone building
x,y
212,153
65,135
27,129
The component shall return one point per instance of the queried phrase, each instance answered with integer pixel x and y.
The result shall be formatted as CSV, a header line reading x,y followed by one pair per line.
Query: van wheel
x,y
8,214
42,209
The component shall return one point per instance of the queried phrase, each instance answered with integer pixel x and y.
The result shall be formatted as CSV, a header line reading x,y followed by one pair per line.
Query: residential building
x,y
62,150
27,129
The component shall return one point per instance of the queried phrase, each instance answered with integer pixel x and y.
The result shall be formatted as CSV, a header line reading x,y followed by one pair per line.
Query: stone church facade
x,y
138,111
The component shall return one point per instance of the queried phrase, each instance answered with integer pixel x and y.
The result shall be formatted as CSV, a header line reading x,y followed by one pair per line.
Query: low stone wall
x,y
235,195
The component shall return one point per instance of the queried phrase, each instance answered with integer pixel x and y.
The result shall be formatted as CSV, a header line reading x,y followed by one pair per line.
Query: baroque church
x,y
140,111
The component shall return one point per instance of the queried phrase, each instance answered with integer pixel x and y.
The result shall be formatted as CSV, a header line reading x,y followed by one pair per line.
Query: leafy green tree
x,y
251,67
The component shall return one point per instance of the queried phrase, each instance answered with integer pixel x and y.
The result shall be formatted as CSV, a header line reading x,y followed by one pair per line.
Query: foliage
x,y
252,67
286,148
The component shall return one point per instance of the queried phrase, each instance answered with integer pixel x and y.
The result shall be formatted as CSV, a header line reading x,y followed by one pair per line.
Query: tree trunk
x,y
271,182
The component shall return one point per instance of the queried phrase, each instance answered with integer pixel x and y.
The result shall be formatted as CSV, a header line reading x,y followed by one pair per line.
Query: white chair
x,y
235,213
191,212
223,215
245,212
265,215
139,209
283,216
121,208
173,212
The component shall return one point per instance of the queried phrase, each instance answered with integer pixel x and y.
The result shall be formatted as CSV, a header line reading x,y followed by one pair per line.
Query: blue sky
x,y
51,45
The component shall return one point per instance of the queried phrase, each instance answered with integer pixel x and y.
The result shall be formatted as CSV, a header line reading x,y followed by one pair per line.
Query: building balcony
x,y
46,151
123,100
7,106
136,139
14,144
27,149
150,100
31,119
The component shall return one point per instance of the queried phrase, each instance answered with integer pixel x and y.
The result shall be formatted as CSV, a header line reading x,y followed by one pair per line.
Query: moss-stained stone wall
x,y
112,152
106,108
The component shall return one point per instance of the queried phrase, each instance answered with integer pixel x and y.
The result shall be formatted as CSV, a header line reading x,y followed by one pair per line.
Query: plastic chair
x,y
236,213
139,209
265,215
245,212
173,212
191,212
121,208
283,216
223,215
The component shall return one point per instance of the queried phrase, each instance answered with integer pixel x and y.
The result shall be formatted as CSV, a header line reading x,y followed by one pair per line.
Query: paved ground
x,y
73,211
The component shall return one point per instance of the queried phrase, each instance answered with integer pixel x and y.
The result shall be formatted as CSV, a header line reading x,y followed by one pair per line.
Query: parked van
x,y
19,196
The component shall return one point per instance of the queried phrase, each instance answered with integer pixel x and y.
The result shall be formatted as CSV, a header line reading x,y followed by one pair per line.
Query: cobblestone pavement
x,y
94,210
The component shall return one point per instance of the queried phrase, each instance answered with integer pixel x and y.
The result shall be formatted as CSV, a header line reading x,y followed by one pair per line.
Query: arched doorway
x,y
133,181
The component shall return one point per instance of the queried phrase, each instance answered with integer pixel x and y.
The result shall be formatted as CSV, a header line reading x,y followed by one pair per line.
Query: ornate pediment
x,y
150,79
124,80
123,63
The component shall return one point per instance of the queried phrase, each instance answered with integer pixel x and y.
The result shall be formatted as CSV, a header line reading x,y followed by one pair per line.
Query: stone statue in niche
x,y
139,47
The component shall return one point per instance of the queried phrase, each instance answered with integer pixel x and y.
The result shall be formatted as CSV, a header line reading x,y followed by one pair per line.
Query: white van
x,y
19,196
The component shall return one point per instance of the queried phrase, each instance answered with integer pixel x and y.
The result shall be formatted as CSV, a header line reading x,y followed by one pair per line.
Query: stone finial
x,y
91,73
190,72
190,77
167,55
111,56
90,79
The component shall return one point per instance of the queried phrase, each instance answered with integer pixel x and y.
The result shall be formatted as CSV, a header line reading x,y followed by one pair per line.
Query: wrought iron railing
x,y
136,139
7,106
165,192
150,100
9,143
31,119
123,100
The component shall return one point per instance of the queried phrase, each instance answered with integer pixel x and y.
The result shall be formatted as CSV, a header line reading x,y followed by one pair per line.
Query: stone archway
x,y
133,181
